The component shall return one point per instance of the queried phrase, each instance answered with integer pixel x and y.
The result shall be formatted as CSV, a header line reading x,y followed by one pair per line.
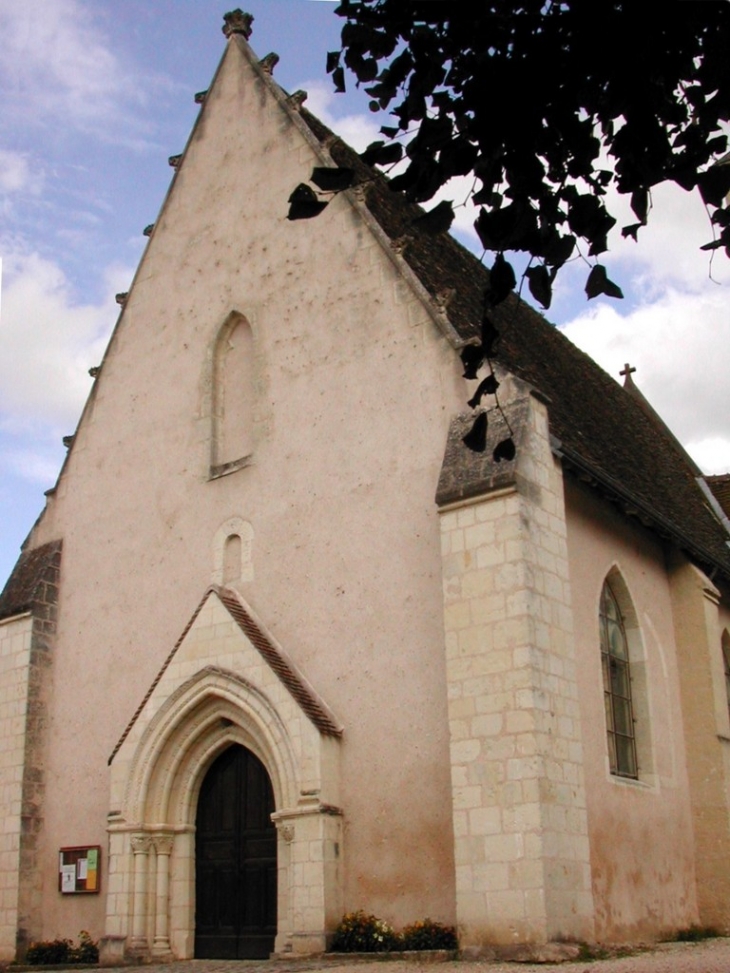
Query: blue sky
x,y
96,95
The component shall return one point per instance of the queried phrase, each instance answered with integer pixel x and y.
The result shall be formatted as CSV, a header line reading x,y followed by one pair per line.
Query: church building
x,y
280,646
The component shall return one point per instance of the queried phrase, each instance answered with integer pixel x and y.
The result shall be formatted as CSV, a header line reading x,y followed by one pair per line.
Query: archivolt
x,y
207,713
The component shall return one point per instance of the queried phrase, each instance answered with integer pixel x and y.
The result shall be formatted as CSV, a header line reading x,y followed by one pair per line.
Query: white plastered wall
x,y
344,561
642,853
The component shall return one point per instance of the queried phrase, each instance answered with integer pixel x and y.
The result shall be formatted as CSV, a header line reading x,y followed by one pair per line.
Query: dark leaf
x,y
332,180
715,245
389,131
588,218
437,220
338,77
714,185
487,386
476,438
505,449
304,203
457,158
380,154
507,228
631,230
472,357
598,283
490,335
541,287
502,281
640,204
333,61
558,249
368,70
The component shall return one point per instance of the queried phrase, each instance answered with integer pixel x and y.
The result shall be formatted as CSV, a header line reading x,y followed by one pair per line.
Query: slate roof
x,y
720,486
25,587
602,433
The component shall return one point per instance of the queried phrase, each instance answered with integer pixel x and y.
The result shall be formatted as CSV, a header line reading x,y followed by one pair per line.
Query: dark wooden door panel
x,y
235,860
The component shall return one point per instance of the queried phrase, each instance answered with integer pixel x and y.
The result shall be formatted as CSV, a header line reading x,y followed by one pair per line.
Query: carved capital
x,y
237,22
287,832
163,843
141,843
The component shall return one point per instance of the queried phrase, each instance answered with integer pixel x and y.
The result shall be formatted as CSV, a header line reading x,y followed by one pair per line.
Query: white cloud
x,y
34,465
668,248
711,455
679,345
47,344
356,129
17,173
57,65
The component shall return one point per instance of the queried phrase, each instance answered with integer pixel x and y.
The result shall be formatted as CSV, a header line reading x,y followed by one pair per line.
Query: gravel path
x,y
710,956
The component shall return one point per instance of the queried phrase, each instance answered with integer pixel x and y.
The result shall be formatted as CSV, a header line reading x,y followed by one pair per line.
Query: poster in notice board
x,y
79,869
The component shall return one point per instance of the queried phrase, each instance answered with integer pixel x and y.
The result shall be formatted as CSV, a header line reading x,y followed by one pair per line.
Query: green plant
x,y
361,933
87,950
428,934
56,951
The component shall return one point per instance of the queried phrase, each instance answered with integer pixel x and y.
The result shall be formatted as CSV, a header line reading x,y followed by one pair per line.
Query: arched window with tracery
x,y
618,704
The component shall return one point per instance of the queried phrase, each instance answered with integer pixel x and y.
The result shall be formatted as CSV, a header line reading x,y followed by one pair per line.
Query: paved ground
x,y
711,956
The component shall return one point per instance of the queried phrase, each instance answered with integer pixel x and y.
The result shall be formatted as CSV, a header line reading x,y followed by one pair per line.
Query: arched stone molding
x,y
151,907
208,712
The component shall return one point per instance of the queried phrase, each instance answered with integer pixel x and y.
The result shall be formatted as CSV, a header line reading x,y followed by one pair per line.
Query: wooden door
x,y
235,860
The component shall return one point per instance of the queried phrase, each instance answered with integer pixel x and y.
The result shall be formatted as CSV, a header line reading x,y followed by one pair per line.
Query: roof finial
x,y
237,22
628,369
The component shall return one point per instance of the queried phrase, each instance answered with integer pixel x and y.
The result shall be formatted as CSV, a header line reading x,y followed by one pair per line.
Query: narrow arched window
x,y
232,559
617,687
726,664
233,397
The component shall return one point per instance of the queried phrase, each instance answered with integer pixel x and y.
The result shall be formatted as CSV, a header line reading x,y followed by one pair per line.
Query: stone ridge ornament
x,y
237,22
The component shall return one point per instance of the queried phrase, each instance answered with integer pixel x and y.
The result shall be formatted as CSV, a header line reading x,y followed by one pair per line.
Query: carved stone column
x,y
163,847
140,849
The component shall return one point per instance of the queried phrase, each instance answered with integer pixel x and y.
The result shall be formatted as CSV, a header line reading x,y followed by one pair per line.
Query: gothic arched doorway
x,y
235,859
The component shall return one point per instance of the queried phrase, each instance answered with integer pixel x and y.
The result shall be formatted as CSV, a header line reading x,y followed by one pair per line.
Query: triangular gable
x,y
271,653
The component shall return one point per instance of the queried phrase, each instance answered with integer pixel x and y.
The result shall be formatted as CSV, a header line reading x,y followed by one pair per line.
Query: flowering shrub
x,y
57,951
360,933
428,934
49,952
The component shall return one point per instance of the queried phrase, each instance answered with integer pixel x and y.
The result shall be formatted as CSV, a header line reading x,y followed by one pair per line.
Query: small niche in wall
x,y
79,869
233,552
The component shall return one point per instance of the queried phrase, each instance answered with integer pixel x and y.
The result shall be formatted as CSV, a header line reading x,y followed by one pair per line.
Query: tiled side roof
x,y
720,486
30,573
591,415
297,685
284,668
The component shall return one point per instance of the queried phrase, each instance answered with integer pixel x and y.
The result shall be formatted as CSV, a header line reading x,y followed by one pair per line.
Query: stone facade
x,y
274,537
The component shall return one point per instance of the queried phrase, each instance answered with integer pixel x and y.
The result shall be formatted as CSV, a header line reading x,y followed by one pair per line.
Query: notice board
x,y
79,869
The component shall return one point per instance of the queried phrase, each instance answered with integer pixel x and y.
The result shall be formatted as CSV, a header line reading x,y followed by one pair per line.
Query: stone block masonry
x,y
519,807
